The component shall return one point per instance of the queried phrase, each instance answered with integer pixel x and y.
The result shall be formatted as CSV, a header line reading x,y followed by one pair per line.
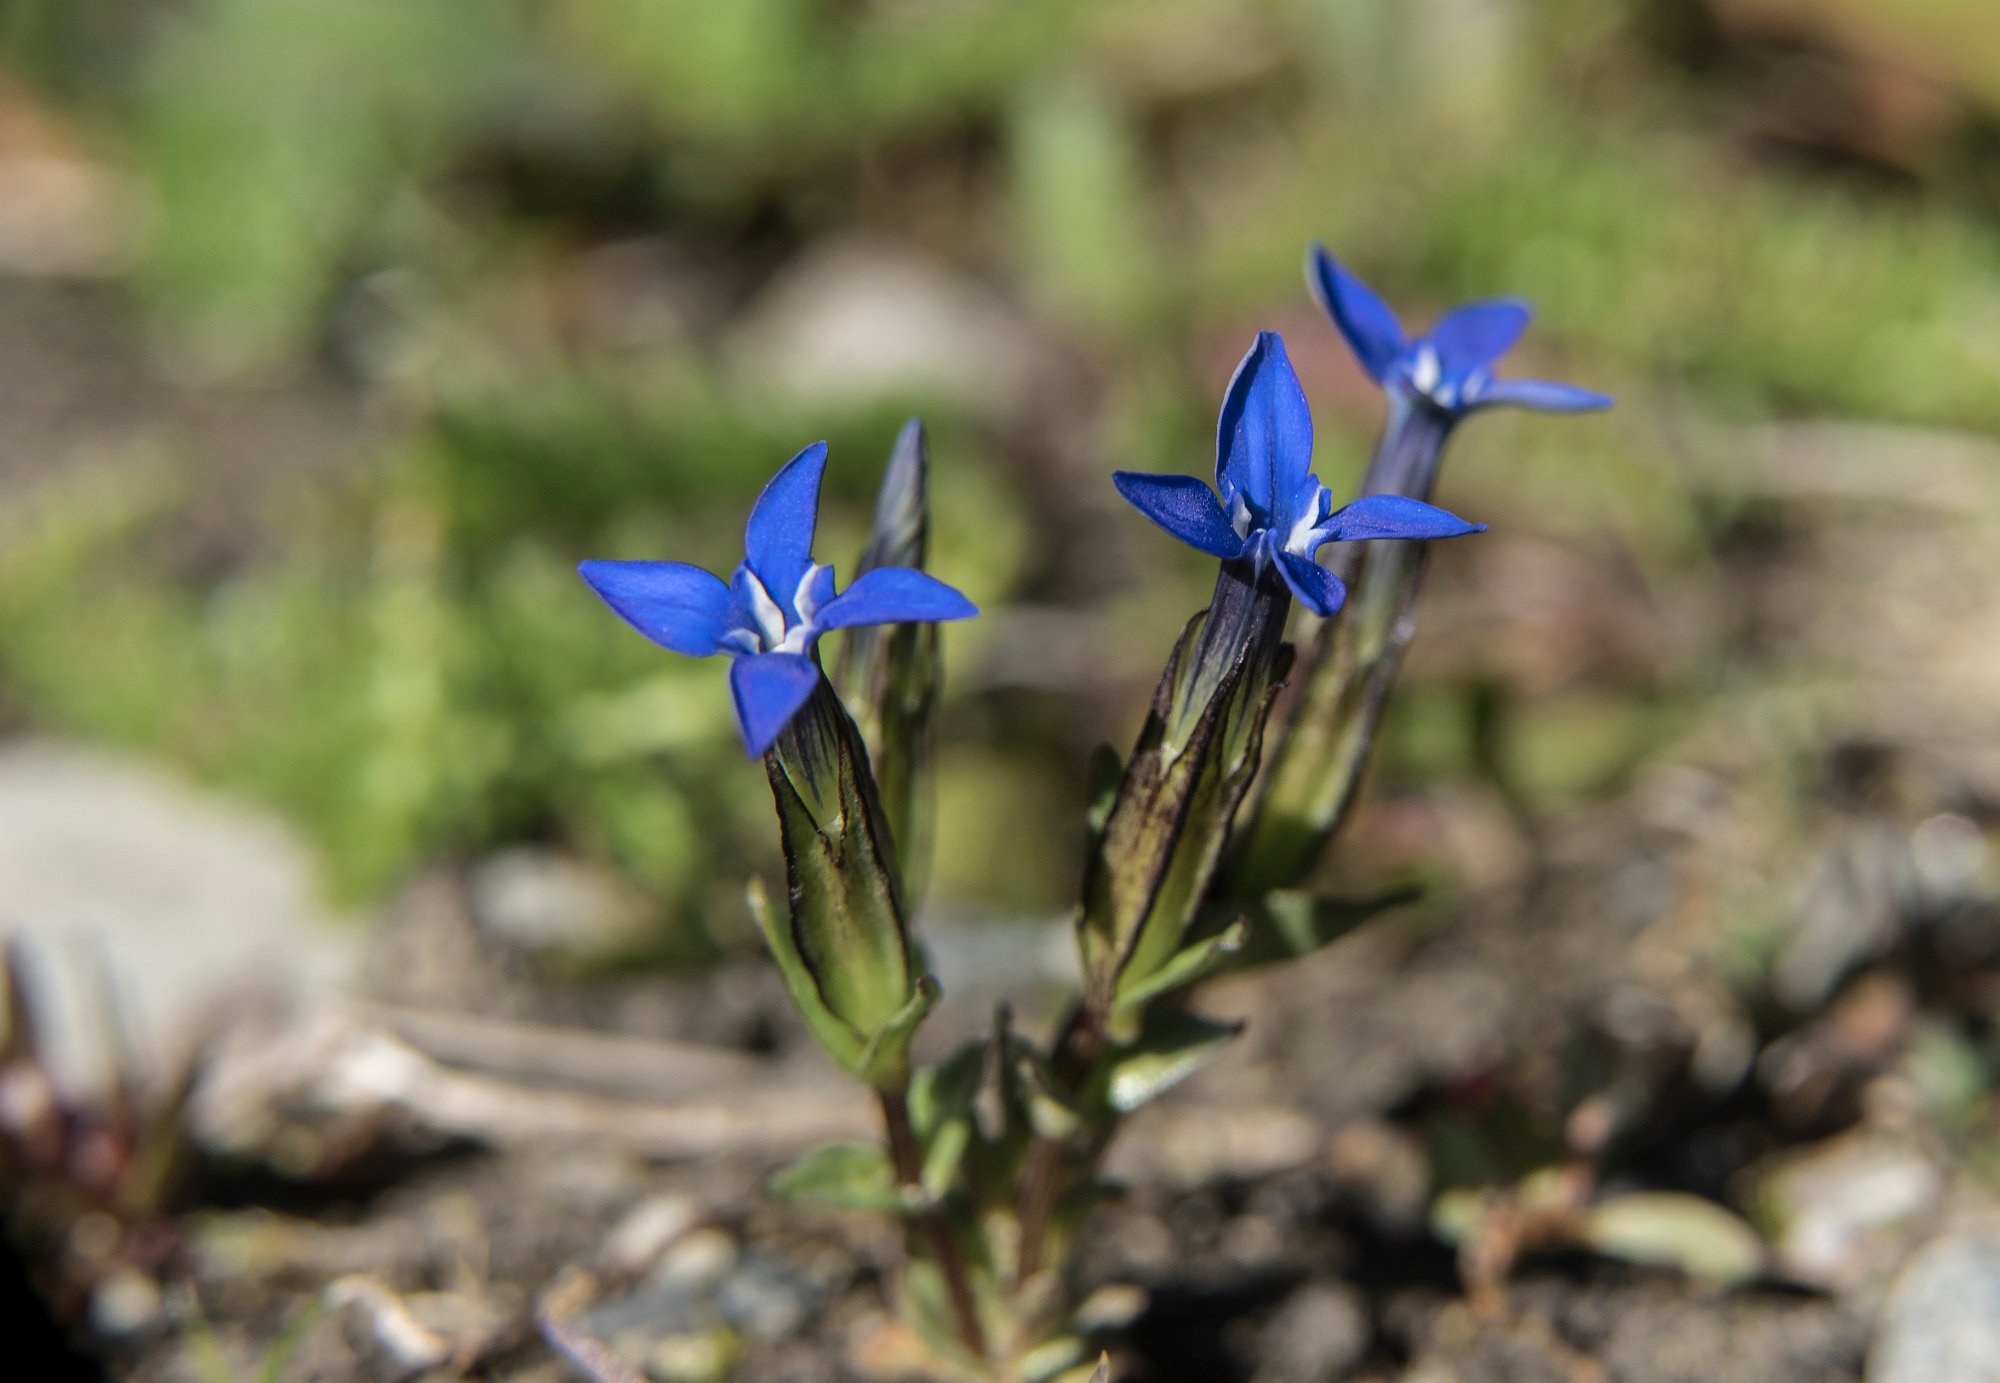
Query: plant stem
x,y
907,1160
1076,1051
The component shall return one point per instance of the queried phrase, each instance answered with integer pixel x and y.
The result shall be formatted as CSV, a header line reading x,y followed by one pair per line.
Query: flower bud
x,y
844,950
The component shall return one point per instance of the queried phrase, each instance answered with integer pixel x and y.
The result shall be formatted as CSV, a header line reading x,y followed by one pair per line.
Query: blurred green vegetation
x,y
399,194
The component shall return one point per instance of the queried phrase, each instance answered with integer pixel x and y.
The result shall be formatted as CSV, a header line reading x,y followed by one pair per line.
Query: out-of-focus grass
x,y
422,674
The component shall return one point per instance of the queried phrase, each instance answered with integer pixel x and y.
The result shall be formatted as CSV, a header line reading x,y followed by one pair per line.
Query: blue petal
x,y
673,604
769,689
778,539
1264,438
1543,395
1394,516
1475,335
894,595
1184,507
1318,589
1371,329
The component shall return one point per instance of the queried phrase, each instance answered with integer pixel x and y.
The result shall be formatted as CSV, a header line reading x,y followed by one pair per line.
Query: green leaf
x,y
941,1101
1051,1114
1061,1360
1172,1046
839,1176
1288,925
1192,963
1675,1230
886,1059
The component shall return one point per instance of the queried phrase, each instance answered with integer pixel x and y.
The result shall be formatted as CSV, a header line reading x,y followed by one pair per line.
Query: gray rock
x,y
113,871
852,320
1320,1332
768,1299
1848,1210
543,902
1942,1321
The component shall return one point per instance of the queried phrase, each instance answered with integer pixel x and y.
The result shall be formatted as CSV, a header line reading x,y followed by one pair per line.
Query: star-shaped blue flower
x,y
773,610
1272,509
1450,368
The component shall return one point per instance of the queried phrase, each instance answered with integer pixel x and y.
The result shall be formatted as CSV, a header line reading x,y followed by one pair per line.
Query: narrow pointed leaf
x,y
1675,1230
886,1059
839,1176
1173,1045
1288,925
1053,1115
1191,964
941,1111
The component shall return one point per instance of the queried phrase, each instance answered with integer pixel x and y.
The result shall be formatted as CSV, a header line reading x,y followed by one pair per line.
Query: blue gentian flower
x,y
773,610
1451,367
1271,509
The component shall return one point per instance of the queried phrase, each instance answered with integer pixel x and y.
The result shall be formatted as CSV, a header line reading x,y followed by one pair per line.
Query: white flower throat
x,y
772,634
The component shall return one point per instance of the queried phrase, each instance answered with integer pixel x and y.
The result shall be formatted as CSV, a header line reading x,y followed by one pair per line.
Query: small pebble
x,y
699,1258
647,1230
1942,1321
125,1303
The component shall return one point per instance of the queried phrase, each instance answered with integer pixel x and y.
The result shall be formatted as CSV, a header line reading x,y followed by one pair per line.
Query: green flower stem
x,y
1076,1052
906,1158
1155,858
1316,771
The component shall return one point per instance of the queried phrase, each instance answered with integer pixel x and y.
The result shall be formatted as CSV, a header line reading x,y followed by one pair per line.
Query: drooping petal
x,y
1264,438
1318,589
1472,336
1371,329
1394,516
894,595
1543,395
675,605
777,542
1184,507
769,689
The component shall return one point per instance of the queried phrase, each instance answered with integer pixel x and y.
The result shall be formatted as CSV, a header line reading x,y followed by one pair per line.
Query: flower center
x,y
1304,539
1426,370
772,631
